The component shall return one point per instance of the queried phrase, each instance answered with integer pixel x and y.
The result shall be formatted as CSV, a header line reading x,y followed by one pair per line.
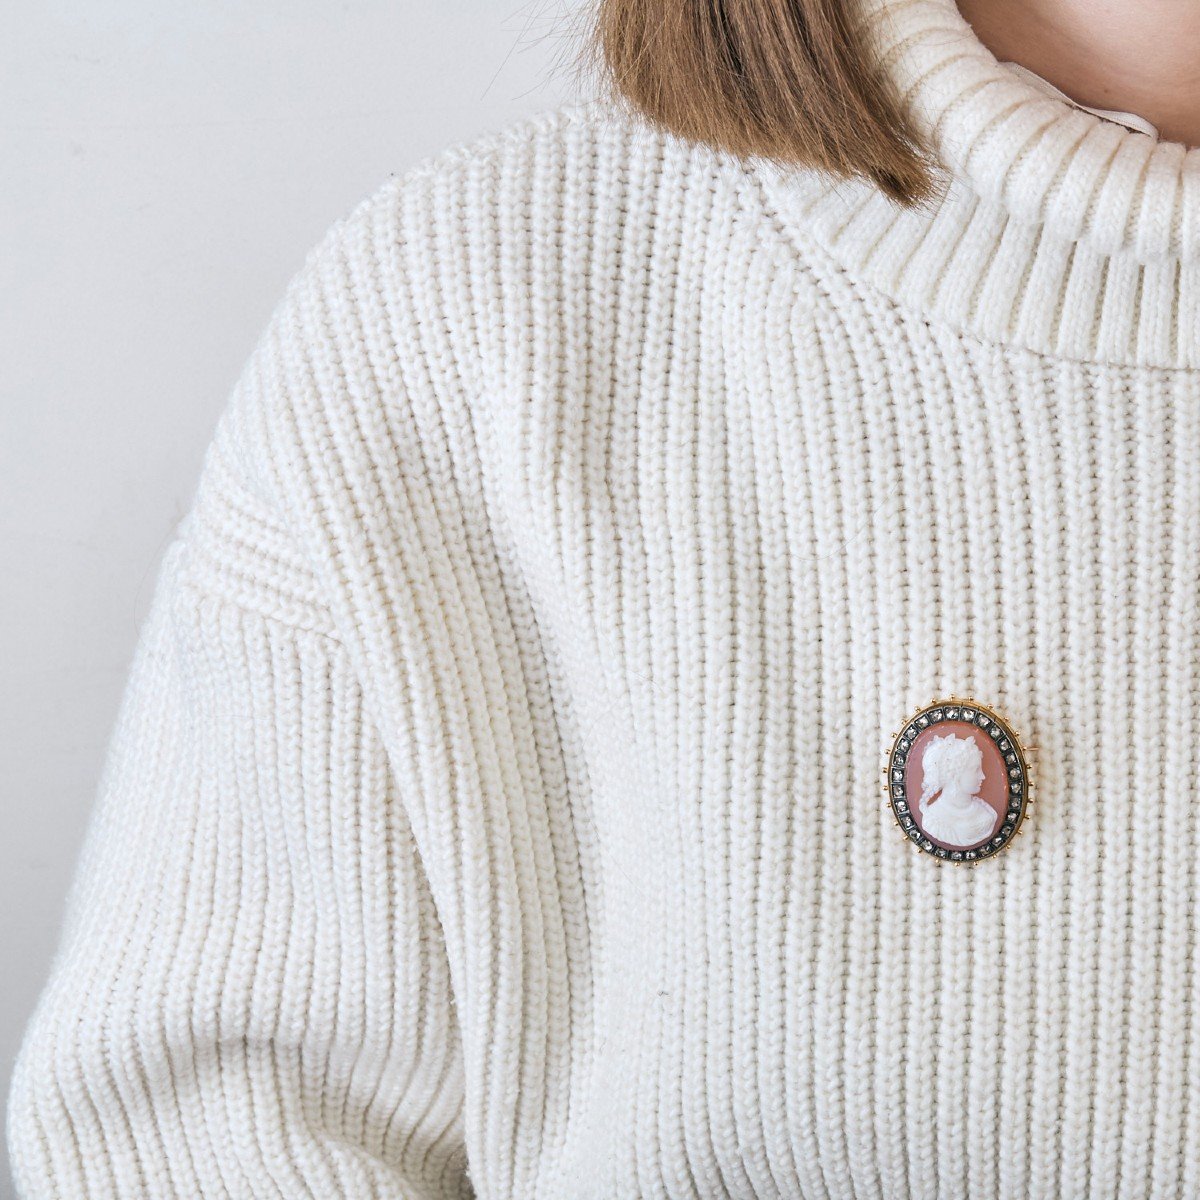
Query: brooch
x,y
958,780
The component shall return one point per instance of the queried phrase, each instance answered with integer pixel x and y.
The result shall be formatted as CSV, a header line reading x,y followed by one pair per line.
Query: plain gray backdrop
x,y
165,169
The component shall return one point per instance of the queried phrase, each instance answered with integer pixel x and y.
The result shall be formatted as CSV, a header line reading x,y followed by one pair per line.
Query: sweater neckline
x,y
1054,228
1128,119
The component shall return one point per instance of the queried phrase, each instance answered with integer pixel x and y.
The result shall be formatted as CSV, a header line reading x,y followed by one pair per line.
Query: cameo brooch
x,y
958,780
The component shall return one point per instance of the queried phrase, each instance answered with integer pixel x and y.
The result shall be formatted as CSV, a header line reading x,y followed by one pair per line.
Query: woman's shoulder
x,y
546,130
526,261
586,180
569,146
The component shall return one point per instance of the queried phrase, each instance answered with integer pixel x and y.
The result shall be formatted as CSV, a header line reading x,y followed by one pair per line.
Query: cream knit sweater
x,y
495,807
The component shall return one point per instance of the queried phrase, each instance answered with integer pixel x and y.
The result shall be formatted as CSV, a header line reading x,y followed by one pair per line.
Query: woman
x,y
494,810
952,811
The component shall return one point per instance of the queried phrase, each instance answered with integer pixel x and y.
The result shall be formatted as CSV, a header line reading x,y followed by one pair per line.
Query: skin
x,y
1138,56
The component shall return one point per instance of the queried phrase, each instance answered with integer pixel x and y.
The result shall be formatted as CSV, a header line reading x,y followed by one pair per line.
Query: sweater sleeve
x,y
251,993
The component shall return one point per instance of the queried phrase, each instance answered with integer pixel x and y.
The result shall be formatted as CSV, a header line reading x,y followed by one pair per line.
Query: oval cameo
x,y
958,780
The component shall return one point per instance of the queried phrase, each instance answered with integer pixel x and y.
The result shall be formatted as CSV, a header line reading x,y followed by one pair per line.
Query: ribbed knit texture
x,y
495,807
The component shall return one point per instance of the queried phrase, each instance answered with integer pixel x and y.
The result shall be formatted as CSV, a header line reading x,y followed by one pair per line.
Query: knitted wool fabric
x,y
495,806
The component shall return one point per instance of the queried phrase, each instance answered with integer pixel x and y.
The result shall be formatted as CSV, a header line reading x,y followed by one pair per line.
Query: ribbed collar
x,y
1055,229
1128,119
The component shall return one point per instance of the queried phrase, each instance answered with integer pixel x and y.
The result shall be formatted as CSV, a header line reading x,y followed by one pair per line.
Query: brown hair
x,y
785,79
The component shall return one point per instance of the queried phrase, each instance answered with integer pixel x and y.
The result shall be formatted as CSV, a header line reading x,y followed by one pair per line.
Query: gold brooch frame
x,y
1018,766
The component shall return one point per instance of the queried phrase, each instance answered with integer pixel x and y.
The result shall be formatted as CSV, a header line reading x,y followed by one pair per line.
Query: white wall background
x,y
163,169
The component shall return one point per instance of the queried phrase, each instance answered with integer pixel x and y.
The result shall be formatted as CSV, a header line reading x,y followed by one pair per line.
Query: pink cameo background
x,y
966,776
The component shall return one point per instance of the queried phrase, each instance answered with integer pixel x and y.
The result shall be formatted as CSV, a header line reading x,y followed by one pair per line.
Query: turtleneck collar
x,y
1055,229
1129,120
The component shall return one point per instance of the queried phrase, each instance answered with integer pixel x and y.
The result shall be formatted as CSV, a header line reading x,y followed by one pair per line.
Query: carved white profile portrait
x,y
952,811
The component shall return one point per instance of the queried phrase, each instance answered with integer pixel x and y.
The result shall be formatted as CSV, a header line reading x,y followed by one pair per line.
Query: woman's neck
x,y
956,799
1141,58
